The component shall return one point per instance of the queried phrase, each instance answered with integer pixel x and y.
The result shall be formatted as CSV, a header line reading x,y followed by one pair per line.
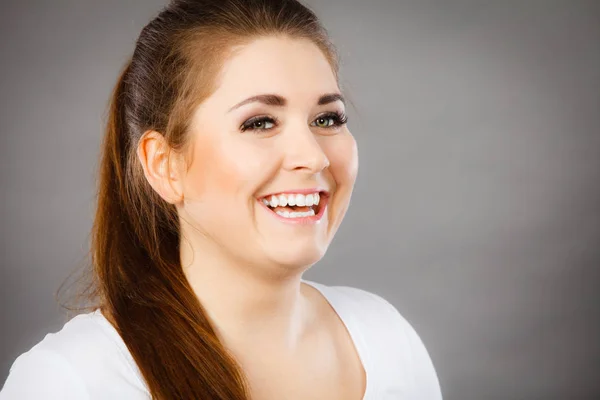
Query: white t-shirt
x,y
88,360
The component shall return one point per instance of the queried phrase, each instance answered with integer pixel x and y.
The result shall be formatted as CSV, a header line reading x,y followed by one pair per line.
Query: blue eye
x,y
264,123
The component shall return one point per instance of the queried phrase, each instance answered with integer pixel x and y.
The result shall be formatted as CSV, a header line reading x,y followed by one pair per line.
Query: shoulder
x,y
372,309
41,373
391,340
80,361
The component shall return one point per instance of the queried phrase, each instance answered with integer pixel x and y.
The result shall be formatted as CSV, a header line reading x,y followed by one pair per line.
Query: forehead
x,y
295,68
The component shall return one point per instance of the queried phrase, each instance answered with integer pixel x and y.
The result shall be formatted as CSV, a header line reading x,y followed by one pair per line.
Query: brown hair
x,y
136,276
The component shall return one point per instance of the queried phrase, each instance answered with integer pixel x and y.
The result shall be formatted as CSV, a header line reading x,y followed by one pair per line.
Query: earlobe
x,y
160,166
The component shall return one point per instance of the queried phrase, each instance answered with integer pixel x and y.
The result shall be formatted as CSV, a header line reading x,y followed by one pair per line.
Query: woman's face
x,y
285,146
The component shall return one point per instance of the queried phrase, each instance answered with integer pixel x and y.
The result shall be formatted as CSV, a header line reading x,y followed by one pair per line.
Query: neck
x,y
248,306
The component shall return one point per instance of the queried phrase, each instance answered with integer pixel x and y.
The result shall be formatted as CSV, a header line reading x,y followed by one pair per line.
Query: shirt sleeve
x,y
43,374
425,382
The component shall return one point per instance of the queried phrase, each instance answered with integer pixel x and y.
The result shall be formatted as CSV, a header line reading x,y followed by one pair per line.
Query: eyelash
x,y
339,119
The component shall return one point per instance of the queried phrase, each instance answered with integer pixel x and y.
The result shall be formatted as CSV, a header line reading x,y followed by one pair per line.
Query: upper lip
x,y
298,191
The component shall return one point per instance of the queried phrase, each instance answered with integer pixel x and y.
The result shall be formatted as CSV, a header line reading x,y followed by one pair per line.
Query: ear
x,y
161,166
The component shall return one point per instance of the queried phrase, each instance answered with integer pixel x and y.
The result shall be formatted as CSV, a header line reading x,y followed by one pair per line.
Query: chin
x,y
300,256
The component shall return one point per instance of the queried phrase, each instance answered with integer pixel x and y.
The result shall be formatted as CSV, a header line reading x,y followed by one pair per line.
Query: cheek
x,y
343,157
213,186
222,171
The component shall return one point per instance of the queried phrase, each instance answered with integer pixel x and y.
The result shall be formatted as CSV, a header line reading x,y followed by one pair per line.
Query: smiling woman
x,y
227,168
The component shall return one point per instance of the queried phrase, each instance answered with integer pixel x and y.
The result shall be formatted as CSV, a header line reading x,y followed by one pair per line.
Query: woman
x,y
227,168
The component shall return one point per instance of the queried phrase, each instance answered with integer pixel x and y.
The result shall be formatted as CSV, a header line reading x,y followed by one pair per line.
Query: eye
x,y
331,120
259,123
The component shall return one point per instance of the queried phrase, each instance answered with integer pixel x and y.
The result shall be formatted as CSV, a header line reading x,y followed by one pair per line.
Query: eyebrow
x,y
280,101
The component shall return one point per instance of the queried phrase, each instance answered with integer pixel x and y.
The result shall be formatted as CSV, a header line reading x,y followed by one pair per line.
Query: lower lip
x,y
313,219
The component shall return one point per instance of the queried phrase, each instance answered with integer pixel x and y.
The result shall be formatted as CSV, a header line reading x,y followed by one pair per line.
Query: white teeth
x,y
309,200
300,200
282,200
294,214
291,200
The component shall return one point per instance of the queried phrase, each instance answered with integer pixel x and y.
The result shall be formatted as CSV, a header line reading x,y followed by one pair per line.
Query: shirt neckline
x,y
350,324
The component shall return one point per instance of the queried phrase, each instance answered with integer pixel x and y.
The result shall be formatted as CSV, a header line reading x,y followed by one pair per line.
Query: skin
x,y
243,263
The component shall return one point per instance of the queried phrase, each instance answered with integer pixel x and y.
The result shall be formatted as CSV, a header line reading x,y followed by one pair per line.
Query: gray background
x,y
476,210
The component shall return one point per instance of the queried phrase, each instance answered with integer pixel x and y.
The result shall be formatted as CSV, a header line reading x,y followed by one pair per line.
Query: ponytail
x,y
148,298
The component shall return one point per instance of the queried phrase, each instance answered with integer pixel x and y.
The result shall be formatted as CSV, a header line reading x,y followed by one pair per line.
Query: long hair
x,y
136,277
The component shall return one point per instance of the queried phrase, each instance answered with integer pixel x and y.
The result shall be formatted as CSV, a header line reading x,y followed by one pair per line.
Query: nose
x,y
304,152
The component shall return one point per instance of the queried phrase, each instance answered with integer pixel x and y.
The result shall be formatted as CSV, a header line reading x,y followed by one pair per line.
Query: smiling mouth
x,y
296,205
